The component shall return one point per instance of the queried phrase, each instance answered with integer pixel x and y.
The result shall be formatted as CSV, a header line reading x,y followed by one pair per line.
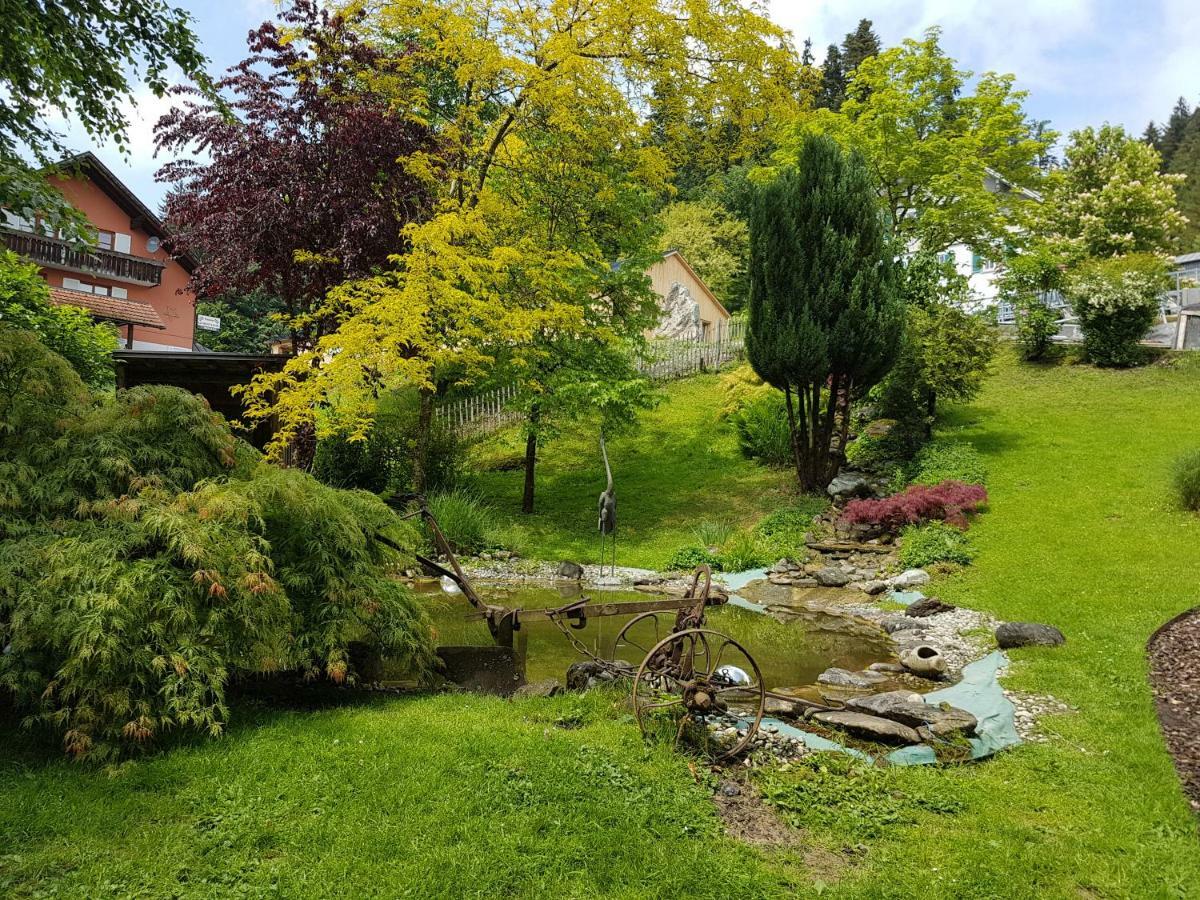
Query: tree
x,y
833,80
491,270
79,58
1028,280
1116,299
715,244
1109,199
249,322
1186,162
825,312
860,44
946,351
1171,136
66,330
301,189
932,145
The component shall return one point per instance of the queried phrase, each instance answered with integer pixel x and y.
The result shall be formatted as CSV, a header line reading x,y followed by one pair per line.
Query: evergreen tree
x,y
833,81
825,310
1174,132
1186,161
806,57
859,44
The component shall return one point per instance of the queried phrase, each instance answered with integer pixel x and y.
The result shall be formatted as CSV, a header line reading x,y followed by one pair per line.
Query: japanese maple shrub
x,y
950,502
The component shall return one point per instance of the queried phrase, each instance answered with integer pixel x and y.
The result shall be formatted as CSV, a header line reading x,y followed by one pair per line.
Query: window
x,y
976,263
121,242
104,240
74,284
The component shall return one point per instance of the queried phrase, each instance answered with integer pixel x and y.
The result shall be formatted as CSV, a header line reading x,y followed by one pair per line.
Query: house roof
x,y
87,163
699,280
1188,258
111,309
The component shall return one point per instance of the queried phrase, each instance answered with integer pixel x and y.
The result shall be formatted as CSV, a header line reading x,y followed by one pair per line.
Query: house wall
x,y
671,270
171,299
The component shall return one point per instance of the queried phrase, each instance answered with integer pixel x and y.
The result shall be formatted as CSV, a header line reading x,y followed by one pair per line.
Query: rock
x,y
777,706
909,709
873,728
569,571
848,485
831,577
923,660
894,668
729,788
548,687
588,674
911,578
1028,634
502,554
879,428
898,623
873,588
846,678
928,606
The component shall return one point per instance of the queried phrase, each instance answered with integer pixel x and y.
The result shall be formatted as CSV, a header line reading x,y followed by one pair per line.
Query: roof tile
x,y
114,309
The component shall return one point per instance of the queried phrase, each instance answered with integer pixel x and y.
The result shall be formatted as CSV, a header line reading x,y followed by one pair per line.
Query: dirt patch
x,y
749,819
1175,676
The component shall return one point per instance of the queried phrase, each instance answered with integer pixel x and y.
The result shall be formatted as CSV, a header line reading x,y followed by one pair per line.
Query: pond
x,y
791,655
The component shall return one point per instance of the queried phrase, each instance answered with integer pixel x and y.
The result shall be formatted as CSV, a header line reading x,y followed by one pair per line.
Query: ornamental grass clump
x,y
1186,480
950,502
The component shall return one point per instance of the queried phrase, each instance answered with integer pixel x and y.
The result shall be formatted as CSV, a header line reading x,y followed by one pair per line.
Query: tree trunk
x,y
791,411
530,460
424,424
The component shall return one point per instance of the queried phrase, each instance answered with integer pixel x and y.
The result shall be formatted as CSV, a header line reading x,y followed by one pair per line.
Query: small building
x,y
128,278
690,310
1187,329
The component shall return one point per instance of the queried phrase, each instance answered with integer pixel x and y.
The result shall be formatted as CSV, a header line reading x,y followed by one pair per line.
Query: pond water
x,y
790,655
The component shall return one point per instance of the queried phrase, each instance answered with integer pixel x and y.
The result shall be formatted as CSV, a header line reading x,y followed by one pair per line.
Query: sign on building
x,y
208,323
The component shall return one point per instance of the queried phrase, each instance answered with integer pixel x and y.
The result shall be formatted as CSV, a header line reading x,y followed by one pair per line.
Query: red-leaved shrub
x,y
948,502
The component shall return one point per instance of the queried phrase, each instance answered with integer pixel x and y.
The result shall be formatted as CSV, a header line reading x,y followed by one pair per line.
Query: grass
x,y
679,468
466,796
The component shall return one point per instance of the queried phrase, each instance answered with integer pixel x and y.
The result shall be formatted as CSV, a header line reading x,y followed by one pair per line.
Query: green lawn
x,y
468,796
679,467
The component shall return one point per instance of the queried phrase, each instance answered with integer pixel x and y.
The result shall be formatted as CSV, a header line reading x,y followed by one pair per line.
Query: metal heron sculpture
x,y
607,508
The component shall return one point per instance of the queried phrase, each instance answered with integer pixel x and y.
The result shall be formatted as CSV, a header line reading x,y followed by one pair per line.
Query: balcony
x,y
57,253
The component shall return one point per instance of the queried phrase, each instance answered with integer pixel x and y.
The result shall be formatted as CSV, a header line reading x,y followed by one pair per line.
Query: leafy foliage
x,y
69,332
687,558
781,534
741,386
762,430
936,542
825,316
75,60
146,556
950,501
249,322
949,460
1116,300
1186,480
466,521
301,188
1027,281
715,244
931,143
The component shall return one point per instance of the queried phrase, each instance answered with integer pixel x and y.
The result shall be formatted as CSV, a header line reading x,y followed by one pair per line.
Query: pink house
x,y
128,279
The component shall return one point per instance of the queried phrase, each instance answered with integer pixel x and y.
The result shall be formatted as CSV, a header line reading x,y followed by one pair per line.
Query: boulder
x,y
873,587
848,485
894,668
547,687
928,606
569,571
846,678
899,623
910,578
923,659
1027,634
909,709
871,727
831,577
778,706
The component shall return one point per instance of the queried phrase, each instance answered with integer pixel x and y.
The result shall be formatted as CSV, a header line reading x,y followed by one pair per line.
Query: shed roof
x,y
111,309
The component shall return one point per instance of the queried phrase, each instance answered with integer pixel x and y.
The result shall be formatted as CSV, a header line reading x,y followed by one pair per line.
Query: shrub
x,y
950,501
147,556
762,430
1036,325
741,552
713,534
1186,479
1115,300
468,523
781,534
936,542
739,387
949,460
687,558
384,461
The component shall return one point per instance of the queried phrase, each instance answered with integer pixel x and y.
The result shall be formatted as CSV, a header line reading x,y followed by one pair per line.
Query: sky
x,y
1083,62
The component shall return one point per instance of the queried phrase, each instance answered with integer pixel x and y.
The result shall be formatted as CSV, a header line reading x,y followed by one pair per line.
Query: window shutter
x,y
121,242
119,293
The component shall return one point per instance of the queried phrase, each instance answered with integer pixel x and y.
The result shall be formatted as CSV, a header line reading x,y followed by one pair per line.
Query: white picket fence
x,y
664,360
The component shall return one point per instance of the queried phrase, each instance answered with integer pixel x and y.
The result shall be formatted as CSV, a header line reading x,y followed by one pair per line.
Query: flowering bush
x,y
948,502
1115,300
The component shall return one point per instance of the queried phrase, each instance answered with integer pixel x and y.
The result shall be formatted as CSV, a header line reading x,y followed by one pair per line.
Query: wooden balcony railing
x,y
60,254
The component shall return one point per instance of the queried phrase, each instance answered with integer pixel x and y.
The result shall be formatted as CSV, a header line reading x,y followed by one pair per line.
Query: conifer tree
x,y
833,81
825,309
861,43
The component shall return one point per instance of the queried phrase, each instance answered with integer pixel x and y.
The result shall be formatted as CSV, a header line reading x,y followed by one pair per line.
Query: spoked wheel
x,y
642,633
705,683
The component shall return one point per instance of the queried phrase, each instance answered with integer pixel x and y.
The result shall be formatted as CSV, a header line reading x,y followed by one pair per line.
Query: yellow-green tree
x,y
501,81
